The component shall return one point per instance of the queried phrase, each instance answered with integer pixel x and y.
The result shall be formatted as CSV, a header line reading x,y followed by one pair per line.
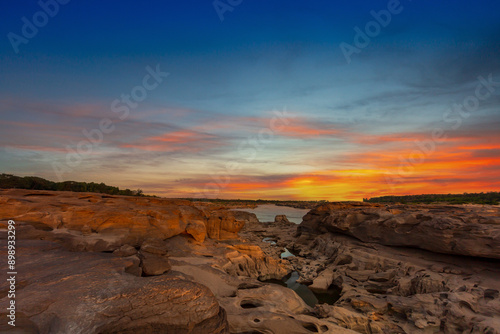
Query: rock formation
x,y
251,261
281,219
66,292
91,263
387,289
404,289
104,222
457,230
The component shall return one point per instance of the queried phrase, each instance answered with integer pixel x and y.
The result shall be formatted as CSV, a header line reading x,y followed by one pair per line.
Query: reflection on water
x,y
286,254
310,298
266,213
283,255
269,240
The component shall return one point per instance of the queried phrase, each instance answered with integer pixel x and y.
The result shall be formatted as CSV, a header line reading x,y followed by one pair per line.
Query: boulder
x,y
251,261
154,264
223,225
125,250
281,219
153,256
247,217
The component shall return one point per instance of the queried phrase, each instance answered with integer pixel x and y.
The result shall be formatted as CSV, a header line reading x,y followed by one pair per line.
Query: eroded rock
x,y
94,222
67,292
443,229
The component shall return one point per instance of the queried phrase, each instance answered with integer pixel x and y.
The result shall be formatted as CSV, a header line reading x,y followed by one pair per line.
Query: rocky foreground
x,y
402,269
91,263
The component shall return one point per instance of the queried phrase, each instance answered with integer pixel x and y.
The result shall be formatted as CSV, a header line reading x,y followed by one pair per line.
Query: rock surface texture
x,y
91,263
103,222
395,289
412,288
469,231
66,292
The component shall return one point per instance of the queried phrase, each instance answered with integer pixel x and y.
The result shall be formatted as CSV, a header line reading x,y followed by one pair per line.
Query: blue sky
x,y
226,80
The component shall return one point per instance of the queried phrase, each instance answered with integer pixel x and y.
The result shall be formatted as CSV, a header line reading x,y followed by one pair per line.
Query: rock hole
x,y
310,327
464,304
41,194
41,226
256,320
491,294
249,304
246,285
324,328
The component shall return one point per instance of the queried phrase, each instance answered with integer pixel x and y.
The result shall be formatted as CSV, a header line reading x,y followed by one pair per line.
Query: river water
x,y
267,212
310,297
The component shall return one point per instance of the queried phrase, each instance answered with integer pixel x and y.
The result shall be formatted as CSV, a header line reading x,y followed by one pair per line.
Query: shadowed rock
x,y
63,292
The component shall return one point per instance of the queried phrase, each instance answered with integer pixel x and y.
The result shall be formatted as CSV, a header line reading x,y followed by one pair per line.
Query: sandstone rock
x,y
153,264
125,250
223,225
251,261
251,306
65,292
112,221
154,246
405,290
197,229
134,266
247,217
281,219
323,281
389,289
443,229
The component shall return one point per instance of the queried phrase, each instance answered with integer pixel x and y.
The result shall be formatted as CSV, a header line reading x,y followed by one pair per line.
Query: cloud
x,y
182,140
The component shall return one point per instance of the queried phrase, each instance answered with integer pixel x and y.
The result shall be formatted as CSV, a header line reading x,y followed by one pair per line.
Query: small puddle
x,y
286,254
269,240
283,255
310,298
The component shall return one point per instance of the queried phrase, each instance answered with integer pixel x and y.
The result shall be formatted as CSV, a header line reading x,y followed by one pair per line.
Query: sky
x,y
299,100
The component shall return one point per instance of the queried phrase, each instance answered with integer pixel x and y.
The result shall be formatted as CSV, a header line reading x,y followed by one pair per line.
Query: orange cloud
x,y
293,126
186,140
307,130
453,167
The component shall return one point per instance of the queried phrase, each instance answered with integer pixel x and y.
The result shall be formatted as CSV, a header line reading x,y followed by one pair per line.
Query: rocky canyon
x,y
95,263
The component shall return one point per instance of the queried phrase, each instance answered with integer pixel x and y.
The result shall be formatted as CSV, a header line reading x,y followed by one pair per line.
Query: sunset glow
x,y
235,109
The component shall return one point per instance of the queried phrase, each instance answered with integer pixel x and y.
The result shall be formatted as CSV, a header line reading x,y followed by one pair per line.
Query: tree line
x,y
8,181
492,198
